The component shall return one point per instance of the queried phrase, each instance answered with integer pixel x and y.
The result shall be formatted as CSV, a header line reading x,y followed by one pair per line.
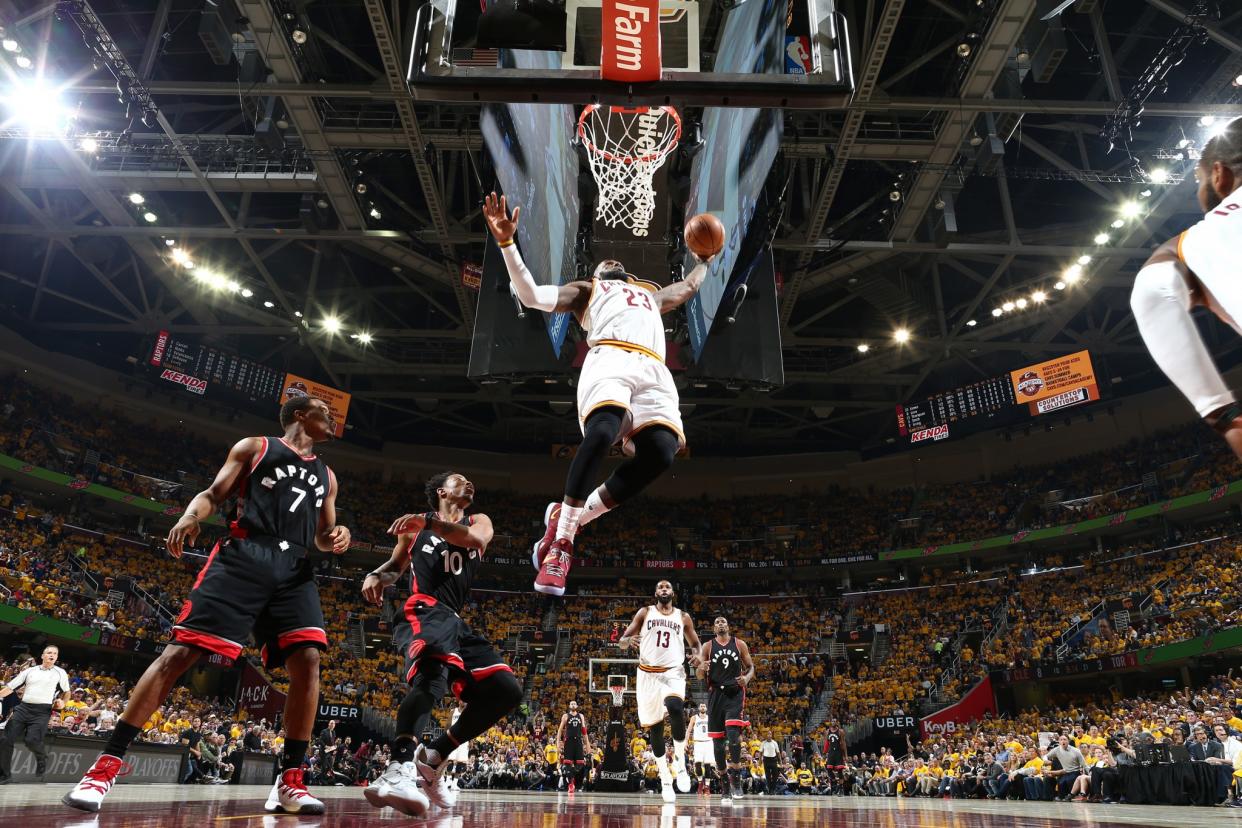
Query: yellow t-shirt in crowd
x,y
551,755
805,778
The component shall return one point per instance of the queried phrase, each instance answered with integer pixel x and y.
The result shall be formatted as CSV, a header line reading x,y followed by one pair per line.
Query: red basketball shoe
x,y
555,569
551,517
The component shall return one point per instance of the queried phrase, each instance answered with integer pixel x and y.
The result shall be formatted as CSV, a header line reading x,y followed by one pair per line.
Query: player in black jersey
x,y
834,755
574,745
443,550
724,657
257,580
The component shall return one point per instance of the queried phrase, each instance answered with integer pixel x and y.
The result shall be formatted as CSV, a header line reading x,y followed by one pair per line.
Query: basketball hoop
x,y
625,147
616,688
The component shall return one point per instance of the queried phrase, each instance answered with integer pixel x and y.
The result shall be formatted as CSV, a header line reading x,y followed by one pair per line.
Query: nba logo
x,y
797,55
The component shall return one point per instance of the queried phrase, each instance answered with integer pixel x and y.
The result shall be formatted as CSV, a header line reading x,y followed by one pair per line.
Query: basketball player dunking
x,y
661,632
574,745
625,391
443,550
257,580
702,753
1199,267
722,662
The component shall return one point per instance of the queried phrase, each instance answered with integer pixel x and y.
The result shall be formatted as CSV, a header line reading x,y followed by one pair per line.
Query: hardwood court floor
x,y
229,806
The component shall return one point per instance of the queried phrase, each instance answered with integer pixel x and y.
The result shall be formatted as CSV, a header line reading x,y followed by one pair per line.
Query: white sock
x,y
662,764
679,751
567,526
595,507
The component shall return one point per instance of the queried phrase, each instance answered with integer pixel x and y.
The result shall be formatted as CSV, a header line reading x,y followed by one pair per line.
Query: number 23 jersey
x,y
624,312
441,573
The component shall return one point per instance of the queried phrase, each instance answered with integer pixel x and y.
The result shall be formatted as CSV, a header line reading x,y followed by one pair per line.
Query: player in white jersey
x,y
1199,267
625,391
703,753
661,632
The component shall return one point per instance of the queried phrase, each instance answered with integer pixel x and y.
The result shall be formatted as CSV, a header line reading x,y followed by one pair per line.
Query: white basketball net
x,y
618,694
625,147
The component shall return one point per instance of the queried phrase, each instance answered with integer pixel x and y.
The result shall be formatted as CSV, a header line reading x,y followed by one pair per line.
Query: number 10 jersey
x,y
441,573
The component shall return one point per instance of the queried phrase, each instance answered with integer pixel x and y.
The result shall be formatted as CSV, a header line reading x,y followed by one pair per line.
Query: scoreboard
x,y
1029,391
202,369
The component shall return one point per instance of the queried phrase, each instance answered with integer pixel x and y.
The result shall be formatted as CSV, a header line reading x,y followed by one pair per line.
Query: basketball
x,y
705,235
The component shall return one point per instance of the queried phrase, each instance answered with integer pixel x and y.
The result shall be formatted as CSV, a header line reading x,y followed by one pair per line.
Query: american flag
x,y
483,58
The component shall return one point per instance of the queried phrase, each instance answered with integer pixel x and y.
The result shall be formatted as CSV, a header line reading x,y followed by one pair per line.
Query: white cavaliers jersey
x,y
661,646
1210,250
700,729
625,314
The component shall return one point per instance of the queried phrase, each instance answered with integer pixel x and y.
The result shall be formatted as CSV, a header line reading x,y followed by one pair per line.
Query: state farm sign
x,y
939,432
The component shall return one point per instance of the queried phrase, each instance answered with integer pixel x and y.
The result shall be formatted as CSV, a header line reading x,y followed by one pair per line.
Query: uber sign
x,y
894,723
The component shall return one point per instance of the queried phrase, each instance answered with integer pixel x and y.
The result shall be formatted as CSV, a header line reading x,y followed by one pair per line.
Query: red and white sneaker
x,y
90,792
555,569
551,517
289,796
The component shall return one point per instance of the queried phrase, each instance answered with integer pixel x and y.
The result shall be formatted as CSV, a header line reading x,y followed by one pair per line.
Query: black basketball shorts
x,y
441,652
573,754
262,586
726,707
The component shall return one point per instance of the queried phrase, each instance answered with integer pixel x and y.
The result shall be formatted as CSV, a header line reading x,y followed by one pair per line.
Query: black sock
x,y
403,749
295,752
119,741
444,744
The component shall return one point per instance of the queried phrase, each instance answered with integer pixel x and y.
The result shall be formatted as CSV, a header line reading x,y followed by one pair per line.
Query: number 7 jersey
x,y
441,573
624,313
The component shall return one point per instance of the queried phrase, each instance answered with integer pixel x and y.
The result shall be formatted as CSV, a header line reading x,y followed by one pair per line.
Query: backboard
x,y
790,54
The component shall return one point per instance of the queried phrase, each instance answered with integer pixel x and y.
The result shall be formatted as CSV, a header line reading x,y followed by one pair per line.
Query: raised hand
x,y
499,222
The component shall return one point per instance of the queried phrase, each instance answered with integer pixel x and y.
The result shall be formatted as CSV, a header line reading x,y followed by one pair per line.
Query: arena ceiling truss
x,y
970,170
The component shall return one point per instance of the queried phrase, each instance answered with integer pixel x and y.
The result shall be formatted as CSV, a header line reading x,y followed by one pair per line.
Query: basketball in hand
x,y
705,235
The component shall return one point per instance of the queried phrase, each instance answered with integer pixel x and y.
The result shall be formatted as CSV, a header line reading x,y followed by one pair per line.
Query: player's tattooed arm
x,y
679,293
692,638
629,638
387,573
704,657
205,503
748,666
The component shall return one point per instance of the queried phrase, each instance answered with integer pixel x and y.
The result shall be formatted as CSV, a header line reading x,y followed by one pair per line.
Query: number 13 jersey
x,y
441,573
624,313
661,645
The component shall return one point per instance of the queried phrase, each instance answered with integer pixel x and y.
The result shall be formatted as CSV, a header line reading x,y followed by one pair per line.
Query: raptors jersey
x,y
573,731
281,495
726,664
625,313
440,571
660,645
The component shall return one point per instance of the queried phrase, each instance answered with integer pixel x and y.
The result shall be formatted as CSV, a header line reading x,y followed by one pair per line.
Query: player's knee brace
x,y
734,735
655,735
598,434
676,717
414,712
657,446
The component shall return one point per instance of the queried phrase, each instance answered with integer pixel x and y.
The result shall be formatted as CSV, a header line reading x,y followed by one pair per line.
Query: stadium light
x,y
150,218
268,303
1207,120
997,311
1007,307
23,61
90,145
363,338
1084,259
863,347
137,198
1118,224
970,323
901,335
1131,209
1159,175
36,105
331,324
1185,142
1059,286
298,314
247,293
10,45
1021,303
1101,238
1038,296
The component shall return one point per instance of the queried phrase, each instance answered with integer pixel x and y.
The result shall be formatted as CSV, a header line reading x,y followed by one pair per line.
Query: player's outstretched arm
x,y
692,638
629,638
552,298
205,503
748,666
704,657
679,293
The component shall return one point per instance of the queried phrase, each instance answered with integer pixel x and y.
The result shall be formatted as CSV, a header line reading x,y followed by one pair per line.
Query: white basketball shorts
x,y
640,384
654,688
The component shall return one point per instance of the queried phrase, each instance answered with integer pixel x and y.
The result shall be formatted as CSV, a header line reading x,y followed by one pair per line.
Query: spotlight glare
x,y
23,61
863,347
1159,175
1021,303
997,311
1118,224
1059,286
1145,194
1038,296
137,198
150,217
1185,142
10,45
36,105
970,323
901,335
1007,307
1131,209
90,145
364,338
1207,120
1101,238
1084,259
233,285
332,324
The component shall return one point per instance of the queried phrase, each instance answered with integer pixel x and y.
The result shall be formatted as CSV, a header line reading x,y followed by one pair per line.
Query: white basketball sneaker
x,y
289,795
89,793
397,788
433,781
684,782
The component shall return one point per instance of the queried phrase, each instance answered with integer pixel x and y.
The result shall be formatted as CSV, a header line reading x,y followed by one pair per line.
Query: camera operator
x,y
1105,776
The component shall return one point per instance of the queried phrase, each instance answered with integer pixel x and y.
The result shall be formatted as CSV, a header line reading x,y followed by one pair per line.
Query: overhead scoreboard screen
x,y
204,370
1030,391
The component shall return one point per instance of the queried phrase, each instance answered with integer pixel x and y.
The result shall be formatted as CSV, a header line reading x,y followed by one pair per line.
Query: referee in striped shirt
x,y
29,719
